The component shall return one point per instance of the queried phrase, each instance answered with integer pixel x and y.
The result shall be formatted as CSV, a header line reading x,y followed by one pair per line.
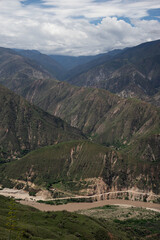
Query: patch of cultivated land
x,y
120,212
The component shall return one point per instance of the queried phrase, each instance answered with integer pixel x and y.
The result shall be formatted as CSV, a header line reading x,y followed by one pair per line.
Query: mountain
x,y
62,67
129,125
24,127
101,115
46,62
83,168
81,107
133,72
70,62
75,65
87,65
17,72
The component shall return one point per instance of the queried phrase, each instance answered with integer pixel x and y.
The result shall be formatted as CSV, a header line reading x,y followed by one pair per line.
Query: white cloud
x,y
64,26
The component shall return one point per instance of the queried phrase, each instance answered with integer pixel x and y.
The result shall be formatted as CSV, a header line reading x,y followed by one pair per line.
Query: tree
x,y
12,220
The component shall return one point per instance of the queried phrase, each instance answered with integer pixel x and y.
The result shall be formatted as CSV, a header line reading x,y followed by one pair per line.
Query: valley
x,y
127,129
78,136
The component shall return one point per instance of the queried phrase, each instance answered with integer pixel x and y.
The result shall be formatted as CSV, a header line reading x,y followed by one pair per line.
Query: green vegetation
x,y
33,224
112,207
65,201
121,213
66,166
129,127
143,229
137,223
103,117
65,162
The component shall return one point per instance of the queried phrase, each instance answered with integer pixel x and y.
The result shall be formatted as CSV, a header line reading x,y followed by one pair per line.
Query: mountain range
x,y
132,72
123,132
97,112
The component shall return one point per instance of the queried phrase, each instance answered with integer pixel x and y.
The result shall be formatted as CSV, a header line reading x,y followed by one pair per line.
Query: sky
x,y
78,27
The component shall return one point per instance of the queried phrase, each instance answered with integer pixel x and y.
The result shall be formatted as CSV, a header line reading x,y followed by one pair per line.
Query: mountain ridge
x,y
17,72
132,73
24,127
83,168
94,111
55,69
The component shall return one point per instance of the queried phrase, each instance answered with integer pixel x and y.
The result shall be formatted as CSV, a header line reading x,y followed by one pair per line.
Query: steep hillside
x,y
24,127
17,72
83,167
80,107
86,66
132,72
129,120
103,116
47,62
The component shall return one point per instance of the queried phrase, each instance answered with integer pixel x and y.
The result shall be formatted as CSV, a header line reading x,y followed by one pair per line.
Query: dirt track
x,y
72,207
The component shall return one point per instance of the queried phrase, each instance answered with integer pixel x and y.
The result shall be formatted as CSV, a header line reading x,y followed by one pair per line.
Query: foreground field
x,y
29,223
